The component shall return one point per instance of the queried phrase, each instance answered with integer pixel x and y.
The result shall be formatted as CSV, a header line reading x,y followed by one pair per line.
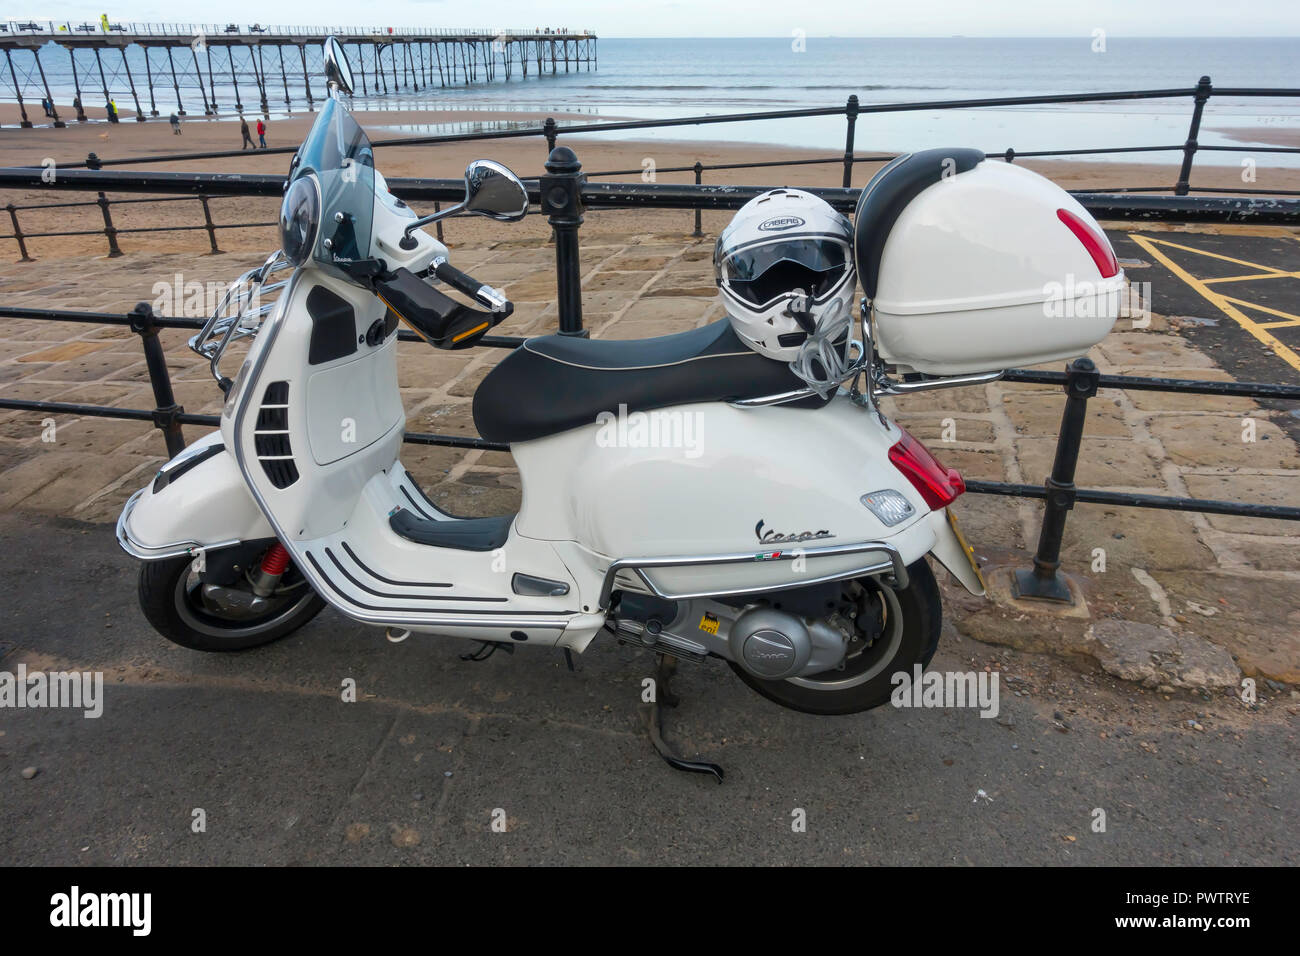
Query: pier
x,y
233,67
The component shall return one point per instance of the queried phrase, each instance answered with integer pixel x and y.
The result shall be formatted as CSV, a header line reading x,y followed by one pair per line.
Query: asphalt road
x,y
286,772
1237,298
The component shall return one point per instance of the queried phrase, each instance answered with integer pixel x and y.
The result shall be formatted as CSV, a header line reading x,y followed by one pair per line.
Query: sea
x,y
648,78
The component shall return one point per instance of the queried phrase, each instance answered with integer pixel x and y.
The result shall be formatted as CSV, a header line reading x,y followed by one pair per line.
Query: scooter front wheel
x,y
903,631
172,598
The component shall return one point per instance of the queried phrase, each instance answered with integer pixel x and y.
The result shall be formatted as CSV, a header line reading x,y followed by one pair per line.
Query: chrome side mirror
x,y
494,191
338,74
491,190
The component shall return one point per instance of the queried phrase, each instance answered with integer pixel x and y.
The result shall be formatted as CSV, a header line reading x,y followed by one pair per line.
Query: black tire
x,y
178,614
920,616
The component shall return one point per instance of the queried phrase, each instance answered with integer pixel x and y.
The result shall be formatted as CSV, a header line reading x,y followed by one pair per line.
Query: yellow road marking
x,y
1215,255
1257,275
1261,308
1219,301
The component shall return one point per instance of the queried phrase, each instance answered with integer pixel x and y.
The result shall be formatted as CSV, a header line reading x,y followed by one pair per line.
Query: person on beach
x,y
247,142
176,124
261,133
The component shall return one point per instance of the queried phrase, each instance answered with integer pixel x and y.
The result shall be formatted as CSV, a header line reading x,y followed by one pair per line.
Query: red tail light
x,y
1097,245
939,486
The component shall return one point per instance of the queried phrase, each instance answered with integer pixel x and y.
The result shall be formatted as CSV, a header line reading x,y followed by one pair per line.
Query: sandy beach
x,y
526,156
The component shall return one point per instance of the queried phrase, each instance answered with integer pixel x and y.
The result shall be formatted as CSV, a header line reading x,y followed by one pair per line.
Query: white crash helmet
x,y
784,267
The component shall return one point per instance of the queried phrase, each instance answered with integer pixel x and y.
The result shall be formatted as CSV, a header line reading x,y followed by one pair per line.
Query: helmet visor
x,y
759,274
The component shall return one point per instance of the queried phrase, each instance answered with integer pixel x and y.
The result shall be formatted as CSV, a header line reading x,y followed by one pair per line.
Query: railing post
x,y
1203,90
18,233
1044,581
699,229
166,412
437,207
561,190
851,114
550,130
209,224
109,229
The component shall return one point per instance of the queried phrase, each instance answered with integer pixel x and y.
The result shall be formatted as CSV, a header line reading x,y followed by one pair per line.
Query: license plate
x,y
965,547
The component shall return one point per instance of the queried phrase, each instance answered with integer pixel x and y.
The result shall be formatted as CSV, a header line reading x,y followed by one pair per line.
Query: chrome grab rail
x,y
851,371
223,327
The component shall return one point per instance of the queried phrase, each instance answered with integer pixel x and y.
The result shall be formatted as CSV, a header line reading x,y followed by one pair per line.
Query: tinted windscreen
x,y
338,153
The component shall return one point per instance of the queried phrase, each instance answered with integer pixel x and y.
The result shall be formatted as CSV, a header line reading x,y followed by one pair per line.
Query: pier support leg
x,y
139,113
108,97
306,81
176,85
54,110
261,78
148,78
212,84
230,54
26,123
284,77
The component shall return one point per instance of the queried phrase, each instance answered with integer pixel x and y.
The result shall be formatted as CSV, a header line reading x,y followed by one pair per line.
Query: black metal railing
x,y
564,194
550,130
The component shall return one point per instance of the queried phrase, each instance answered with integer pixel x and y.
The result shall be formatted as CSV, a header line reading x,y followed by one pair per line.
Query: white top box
x,y
989,268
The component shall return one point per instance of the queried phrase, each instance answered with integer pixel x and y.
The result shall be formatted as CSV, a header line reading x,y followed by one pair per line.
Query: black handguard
x,y
436,318
483,293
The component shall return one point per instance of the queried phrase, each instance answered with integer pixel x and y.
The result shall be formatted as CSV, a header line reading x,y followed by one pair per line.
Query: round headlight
x,y
299,220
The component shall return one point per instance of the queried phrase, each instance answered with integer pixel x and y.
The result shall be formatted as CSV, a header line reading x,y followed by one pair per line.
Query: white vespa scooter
x,y
789,541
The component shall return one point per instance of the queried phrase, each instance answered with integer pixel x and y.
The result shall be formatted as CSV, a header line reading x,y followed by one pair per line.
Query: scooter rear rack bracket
x,y
663,697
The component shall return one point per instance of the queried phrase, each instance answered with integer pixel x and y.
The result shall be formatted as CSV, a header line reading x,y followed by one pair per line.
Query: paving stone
x,y
1143,350
1127,539
1251,616
429,367
626,282
1103,463
94,367
64,353
971,398
1252,489
1040,414
938,431
1183,402
1216,440
1157,657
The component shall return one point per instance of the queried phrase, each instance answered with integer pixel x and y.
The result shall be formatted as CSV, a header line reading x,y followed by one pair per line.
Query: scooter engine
x,y
775,645
768,642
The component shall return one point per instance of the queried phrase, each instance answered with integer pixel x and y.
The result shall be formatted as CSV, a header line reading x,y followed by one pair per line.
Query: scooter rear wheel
x,y
172,600
907,634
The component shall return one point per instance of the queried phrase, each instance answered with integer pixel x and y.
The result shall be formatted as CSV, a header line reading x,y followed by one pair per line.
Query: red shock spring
x,y
276,560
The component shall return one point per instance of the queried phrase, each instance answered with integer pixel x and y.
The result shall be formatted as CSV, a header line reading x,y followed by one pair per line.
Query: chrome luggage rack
x,y
240,313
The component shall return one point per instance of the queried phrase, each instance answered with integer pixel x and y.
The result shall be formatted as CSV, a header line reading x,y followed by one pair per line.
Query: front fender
x,y
198,500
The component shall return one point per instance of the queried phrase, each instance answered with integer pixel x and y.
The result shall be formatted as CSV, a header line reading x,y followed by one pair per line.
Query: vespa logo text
x,y
780,223
775,537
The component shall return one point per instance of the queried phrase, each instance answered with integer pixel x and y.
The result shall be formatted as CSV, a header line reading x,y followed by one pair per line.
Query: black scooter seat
x,y
557,382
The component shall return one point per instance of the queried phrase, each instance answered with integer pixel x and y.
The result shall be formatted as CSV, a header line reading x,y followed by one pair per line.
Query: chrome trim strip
x,y
146,553
636,565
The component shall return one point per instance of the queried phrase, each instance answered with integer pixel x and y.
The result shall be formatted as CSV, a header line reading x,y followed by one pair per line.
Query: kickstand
x,y
663,697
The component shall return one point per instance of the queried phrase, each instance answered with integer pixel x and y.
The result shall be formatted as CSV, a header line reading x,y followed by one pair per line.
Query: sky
x,y
731,18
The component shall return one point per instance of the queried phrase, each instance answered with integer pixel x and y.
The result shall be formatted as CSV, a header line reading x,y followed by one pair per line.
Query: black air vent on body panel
x,y
271,436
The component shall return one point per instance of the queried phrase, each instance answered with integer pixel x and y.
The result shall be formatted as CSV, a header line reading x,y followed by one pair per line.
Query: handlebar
x,y
481,292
